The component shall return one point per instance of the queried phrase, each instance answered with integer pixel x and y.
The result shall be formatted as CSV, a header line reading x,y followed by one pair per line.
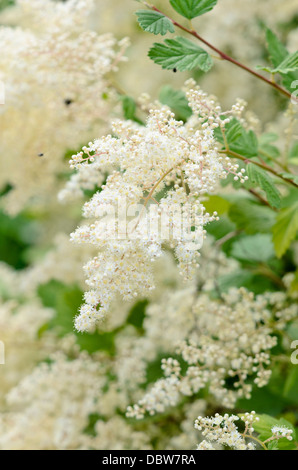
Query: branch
x,y
261,165
222,55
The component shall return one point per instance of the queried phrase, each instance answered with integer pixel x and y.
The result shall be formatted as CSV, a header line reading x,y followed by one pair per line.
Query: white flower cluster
x,y
116,434
118,379
53,403
223,431
20,323
151,198
279,432
52,66
224,343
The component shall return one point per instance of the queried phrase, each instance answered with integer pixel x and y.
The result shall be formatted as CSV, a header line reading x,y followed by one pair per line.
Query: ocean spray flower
x,y
152,198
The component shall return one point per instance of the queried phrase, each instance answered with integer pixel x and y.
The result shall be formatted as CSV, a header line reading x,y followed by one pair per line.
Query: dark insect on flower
x,y
67,102
174,70
40,154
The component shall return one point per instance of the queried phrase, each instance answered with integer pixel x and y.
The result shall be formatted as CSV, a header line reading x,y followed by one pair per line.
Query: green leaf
x,y
294,153
244,278
292,329
291,385
154,22
262,401
252,217
290,176
97,342
255,248
276,49
221,228
177,101
218,204
259,178
6,3
180,53
137,314
294,286
265,424
285,229
17,235
239,140
234,132
289,64
65,300
273,445
192,8
266,148
129,109
281,60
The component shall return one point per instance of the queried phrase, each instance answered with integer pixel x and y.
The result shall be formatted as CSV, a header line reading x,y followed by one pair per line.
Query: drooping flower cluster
x,y
224,344
52,67
151,199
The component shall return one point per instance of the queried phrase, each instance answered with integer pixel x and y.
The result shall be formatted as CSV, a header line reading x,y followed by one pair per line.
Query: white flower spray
x,y
160,173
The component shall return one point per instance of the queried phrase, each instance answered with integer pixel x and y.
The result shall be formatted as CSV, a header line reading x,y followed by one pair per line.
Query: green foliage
x,y
263,400
254,248
265,424
218,204
221,228
154,22
192,8
66,300
255,283
284,63
261,179
180,54
239,140
290,176
17,234
289,64
6,3
285,229
137,314
290,391
277,51
97,342
177,101
294,287
266,148
129,108
293,154
251,217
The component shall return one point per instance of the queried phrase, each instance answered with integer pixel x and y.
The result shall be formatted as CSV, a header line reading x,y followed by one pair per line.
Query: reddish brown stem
x,y
260,165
